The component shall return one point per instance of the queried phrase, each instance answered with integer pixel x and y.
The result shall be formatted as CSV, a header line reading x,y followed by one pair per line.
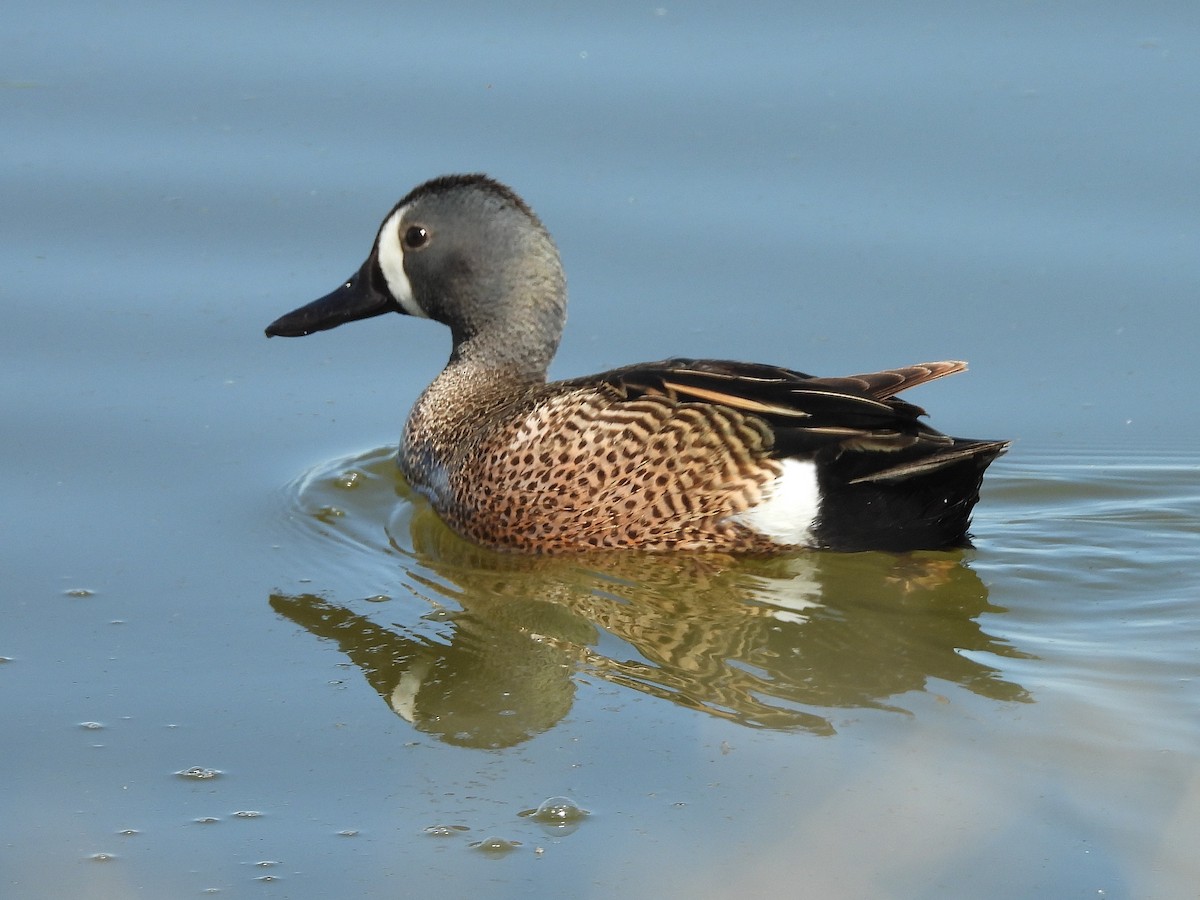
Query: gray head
x,y
466,251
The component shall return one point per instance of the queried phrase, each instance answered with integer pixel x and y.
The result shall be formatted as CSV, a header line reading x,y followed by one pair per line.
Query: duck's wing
x,y
823,408
856,414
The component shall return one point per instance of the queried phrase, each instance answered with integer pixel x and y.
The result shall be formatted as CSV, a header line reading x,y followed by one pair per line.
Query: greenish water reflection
x,y
774,643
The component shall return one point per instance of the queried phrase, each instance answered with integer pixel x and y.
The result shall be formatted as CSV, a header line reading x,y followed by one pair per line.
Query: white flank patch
x,y
391,261
789,507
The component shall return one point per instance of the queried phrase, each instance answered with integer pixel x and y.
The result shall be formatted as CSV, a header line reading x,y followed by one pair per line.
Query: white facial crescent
x,y
391,261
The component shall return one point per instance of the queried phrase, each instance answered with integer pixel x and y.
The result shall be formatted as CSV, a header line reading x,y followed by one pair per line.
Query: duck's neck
x,y
503,345
465,396
510,352
513,324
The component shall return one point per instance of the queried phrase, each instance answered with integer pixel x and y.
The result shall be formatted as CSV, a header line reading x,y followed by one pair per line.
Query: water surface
x,y
238,656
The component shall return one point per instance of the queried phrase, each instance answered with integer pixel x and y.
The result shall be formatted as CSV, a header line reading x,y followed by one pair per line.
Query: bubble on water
x,y
328,514
206,820
90,726
558,812
495,846
446,830
378,598
102,857
348,832
349,480
267,878
267,863
79,592
128,832
4,659
247,814
199,773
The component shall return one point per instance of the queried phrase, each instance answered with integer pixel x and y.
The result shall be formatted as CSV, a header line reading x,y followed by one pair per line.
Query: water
x,y
211,566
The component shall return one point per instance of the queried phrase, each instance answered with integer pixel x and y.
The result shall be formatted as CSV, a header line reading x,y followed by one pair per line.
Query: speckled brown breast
x,y
583,470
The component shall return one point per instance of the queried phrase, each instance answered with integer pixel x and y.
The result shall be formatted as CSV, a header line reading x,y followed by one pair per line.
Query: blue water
x,y
188,583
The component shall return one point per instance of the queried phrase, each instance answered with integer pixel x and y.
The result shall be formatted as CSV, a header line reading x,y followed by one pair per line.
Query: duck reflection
x,y
777,643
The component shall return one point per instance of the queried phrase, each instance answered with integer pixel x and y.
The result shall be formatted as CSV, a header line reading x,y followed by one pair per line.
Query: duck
x,y
679,455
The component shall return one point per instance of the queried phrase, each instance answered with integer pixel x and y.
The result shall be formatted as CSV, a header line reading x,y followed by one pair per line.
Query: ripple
x,y
346,501
484,648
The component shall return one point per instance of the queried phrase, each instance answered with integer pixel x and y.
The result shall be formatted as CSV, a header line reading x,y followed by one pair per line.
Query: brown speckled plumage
x,y
581,467
675,455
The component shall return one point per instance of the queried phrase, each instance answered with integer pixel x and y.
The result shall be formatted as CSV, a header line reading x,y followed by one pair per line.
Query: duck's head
x,y
463,250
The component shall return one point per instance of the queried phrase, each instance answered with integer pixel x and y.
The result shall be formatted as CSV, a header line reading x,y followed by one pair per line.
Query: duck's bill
x,y
358,298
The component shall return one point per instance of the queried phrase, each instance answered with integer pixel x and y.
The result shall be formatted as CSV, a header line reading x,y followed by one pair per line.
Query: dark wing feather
x,y
809,415
888,383
860,406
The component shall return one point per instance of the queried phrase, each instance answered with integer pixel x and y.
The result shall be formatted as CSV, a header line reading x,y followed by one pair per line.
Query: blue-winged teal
x,y
675,455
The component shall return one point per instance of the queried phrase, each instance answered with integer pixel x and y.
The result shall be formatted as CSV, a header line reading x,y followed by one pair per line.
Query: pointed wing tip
x,y
944,366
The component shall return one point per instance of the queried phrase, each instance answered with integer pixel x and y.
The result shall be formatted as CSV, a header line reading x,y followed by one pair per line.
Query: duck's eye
x,y
415,237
